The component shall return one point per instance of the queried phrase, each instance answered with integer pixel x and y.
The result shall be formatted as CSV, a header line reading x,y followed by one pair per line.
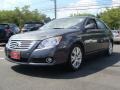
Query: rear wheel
x,y
75,58
110,48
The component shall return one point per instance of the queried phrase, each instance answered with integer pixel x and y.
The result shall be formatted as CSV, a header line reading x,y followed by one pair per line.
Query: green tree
x,y
111,17
21,15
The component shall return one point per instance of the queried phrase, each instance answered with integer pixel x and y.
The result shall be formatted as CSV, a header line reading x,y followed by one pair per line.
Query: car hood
x,y
41,34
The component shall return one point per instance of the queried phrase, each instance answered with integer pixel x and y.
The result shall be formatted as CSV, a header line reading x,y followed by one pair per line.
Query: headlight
x,y
50,42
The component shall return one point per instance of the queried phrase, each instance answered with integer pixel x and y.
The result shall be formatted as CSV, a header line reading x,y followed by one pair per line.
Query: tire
x,y
75,58
110,49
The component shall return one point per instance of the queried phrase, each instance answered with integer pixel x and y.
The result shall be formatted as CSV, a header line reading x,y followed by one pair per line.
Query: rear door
x,y
103,34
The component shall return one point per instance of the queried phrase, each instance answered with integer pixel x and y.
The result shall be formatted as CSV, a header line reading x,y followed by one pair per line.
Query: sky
x,y
65,7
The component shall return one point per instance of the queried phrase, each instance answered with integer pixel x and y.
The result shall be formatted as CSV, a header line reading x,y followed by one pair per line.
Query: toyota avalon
x,y
66,40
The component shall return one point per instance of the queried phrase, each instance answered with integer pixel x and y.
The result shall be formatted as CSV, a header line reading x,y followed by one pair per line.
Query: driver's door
x,y
90,37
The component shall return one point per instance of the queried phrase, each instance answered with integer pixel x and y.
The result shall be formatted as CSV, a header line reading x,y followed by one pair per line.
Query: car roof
x,y
33,22
85,17
115,30
3,24
7,24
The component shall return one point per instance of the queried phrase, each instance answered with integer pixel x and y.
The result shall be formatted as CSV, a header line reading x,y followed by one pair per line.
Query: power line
x,y
79,6
93,3
82,7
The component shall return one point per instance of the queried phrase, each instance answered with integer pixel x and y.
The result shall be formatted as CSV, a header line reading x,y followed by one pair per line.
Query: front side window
x,y
29,25
92,21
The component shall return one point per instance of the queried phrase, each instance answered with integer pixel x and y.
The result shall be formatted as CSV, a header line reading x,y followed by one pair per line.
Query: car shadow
x,y
92,65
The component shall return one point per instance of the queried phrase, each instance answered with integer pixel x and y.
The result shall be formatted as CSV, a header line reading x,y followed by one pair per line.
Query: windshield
x,y
29,25
62,23
32,25
3,26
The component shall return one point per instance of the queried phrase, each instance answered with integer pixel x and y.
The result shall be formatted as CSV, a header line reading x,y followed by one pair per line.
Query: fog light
x,y
49,60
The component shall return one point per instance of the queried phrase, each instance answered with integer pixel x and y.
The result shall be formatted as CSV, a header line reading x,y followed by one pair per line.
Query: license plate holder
x,y
15,55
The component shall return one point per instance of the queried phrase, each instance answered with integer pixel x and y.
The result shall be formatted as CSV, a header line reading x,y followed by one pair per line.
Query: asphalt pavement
x,y
97,73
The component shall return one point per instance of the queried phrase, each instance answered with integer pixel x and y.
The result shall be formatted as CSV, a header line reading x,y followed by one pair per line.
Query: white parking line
x,y
2,58
1,50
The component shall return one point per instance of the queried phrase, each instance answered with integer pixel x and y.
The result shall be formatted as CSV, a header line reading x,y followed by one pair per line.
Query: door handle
x,y
102,40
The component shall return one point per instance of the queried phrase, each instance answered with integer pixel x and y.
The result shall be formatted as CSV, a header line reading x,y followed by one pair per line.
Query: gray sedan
x,y
116,34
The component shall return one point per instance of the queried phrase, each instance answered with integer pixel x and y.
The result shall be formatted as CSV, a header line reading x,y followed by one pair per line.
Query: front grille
x,y
38,60
21,44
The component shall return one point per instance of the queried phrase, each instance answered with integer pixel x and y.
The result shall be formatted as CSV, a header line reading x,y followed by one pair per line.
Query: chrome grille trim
x,y
21,44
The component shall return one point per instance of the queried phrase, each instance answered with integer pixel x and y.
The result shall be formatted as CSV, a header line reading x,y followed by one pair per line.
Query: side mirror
x,y
90,26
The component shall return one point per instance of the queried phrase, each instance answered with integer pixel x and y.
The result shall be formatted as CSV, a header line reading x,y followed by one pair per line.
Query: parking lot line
x,y
2,58
1,50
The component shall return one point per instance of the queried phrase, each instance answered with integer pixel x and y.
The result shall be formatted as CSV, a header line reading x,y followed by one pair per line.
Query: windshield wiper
x,y
58,28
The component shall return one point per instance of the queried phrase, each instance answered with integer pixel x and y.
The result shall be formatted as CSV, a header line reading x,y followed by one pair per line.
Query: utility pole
x,y
55,8
55,3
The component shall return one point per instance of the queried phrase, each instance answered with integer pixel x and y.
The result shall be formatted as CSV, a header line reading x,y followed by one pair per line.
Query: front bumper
x,y
30,63
116,39
38,57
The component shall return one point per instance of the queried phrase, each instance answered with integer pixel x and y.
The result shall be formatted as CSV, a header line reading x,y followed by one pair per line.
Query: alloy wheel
x,y
76,57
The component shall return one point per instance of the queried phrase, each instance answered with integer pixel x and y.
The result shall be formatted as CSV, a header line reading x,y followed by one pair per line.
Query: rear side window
x,y
101,25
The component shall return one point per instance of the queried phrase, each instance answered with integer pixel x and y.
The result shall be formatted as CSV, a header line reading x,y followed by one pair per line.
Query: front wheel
x,y
75,58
